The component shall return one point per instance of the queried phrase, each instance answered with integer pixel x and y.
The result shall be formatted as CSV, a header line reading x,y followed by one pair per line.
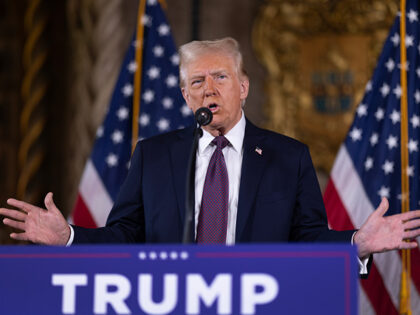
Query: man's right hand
x,y
41,226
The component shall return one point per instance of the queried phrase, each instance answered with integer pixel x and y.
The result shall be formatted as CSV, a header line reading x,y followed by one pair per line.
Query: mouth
x,y
213,107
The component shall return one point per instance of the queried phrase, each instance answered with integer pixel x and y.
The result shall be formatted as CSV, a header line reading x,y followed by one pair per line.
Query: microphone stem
x,y
188,236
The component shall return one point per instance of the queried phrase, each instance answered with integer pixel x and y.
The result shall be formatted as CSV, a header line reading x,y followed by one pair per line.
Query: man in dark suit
x,y
266,187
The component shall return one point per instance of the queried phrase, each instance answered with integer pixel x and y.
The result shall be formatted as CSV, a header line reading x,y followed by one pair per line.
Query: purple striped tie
x,y
212,221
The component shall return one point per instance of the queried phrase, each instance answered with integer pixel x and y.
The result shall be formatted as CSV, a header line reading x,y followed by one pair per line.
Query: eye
x,y
196,82
222,76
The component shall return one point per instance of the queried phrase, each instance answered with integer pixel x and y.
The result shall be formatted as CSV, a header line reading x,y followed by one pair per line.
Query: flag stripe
x,y
82,214
365,307
415,268
95,195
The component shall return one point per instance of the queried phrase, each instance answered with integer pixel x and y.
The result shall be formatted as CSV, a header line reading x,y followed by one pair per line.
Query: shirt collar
x,y
235,137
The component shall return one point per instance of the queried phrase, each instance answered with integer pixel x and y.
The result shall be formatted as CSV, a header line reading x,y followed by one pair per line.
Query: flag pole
x,y
405,190
137,74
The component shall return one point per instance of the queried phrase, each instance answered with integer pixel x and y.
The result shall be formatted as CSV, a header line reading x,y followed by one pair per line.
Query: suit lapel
x,y
179,153
253,164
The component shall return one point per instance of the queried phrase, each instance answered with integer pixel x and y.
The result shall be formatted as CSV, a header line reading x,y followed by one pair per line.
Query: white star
x,y
144,120
362,110
390,65
148,96
379,114
151,2
415,121
374,139
127,90
185,110
117,136
392,142
184,255
383,192
395,39
158,51
368,86
412,16
122,113
153,73
417,96
163,29
175,59
167,102
171,81
368,163
132,66
356,134
388,167
100,132
384,89
412,146
163,124
409,40
397,91
112,160
395,116
146,20
410,171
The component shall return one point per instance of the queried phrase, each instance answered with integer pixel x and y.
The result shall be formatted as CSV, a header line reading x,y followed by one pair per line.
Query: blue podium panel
x,y
142,279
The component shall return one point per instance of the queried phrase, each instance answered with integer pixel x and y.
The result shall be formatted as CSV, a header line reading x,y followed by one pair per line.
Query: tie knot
x,y
220,142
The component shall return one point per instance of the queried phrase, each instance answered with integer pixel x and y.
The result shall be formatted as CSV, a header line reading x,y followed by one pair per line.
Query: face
x,y
212,81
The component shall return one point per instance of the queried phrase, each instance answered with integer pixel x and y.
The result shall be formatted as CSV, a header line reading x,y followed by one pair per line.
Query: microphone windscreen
x,y
203,116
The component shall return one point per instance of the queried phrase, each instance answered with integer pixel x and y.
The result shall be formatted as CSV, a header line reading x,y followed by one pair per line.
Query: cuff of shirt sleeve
x,y
71,238
363,269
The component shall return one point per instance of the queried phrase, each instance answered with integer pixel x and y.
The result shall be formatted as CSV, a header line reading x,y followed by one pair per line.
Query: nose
x,y
209,89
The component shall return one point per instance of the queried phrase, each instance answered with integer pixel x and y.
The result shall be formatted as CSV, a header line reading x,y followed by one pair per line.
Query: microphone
x,y
203,116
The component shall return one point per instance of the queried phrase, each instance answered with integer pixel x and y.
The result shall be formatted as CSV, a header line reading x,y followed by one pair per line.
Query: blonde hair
x,y
229,46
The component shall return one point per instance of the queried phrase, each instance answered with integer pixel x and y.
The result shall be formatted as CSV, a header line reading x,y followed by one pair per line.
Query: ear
x,y
186,96
244,85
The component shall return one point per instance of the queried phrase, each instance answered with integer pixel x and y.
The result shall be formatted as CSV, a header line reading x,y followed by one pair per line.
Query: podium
x,y
144,279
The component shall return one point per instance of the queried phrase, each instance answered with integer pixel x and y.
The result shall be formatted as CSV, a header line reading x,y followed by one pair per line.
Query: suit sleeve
x,y
310,220
125,223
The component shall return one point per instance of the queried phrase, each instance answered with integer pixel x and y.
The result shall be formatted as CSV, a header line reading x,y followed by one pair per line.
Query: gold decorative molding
x,y
319,55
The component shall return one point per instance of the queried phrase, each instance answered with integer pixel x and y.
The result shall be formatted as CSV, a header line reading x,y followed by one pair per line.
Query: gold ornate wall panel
x,y
319,56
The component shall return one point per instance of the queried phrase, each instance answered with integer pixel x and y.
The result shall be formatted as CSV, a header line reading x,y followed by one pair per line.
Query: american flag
x,y
368,165
162,109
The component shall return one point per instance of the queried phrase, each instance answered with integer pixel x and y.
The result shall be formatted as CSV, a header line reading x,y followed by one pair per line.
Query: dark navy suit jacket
x,y
279,197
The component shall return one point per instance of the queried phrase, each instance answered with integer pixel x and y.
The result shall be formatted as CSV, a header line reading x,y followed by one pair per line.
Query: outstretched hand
x,y
38,225
379,234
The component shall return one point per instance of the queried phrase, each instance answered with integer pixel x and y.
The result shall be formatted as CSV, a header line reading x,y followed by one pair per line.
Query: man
x,y
266,187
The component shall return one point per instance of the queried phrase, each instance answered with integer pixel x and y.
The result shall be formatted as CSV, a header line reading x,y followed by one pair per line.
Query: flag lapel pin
x,y
258,150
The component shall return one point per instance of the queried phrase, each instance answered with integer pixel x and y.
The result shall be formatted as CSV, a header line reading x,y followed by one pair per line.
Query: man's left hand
x,y
379,234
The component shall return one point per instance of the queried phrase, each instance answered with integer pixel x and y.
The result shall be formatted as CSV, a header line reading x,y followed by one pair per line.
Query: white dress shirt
x,y
233,153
